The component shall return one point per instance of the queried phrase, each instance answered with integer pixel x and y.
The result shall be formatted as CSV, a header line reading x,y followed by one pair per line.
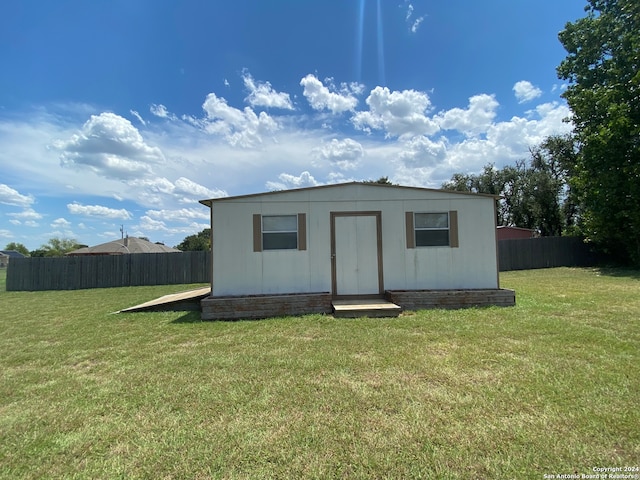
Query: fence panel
x,y
101,271
544,252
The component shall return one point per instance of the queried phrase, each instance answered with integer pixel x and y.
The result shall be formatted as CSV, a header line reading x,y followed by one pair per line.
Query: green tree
x,y
381,181
57,247
603,70
18,247
199,241
533,194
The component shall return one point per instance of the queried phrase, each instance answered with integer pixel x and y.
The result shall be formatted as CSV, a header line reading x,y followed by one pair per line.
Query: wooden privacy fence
x,y
544,252
78,272
73,273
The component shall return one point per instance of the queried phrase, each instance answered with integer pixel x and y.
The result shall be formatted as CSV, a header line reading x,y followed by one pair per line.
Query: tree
x,y
57,247
381,181
533,194
199,241
603,70
18,247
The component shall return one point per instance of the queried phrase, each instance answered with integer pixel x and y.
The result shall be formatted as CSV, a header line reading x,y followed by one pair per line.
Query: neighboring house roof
x,y
209,202
124,246
11,253
509,233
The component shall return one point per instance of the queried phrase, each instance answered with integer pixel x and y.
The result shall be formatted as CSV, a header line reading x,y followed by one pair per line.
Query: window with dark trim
x,y
432,229
279,232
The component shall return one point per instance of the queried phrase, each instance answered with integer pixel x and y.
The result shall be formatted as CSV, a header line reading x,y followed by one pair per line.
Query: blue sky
x,y
127,112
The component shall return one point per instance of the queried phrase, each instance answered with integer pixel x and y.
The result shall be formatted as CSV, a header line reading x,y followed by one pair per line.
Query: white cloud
x,y
137,115
287,181
110,146
398,113
28,217
181,215
98,211
321,97
421,151
346,154
239,127
525,91
476,119
409,12
416,24
263,95
60,223
161,111
413,24
190,191
10,196
148,223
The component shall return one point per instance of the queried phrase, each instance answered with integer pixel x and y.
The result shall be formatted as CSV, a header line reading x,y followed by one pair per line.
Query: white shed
x,y
296,251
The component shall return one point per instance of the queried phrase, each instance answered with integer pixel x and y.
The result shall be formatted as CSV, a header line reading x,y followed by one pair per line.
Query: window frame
x,y
287,232
259,232
417,229
452,220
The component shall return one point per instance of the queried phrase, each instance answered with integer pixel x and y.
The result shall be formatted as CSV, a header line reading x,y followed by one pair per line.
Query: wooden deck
x,y
376,307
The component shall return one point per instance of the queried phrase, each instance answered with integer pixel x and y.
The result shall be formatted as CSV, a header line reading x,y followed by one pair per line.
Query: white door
x,y
356,255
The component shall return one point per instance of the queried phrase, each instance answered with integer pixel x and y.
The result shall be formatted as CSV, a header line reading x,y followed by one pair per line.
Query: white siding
x,y
238,270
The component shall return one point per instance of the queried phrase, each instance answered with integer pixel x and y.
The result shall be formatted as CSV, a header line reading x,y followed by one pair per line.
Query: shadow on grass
x,y
620,272
192,316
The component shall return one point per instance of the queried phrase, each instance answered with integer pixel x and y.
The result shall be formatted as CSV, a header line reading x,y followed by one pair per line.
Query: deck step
x,y
376,307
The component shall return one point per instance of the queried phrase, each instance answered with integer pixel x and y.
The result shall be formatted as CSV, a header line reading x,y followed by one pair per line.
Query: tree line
x,y
534,193
586,183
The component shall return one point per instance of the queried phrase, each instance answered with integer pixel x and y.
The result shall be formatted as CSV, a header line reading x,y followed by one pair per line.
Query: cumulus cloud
x,y
241,128
98,211
322,97
346,154
397,113
263,94
525,91
10,196
287,181
475,119
61,223
110,146
423,152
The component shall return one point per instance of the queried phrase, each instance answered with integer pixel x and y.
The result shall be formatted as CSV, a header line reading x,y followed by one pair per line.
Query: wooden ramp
x,y
188,300
376,307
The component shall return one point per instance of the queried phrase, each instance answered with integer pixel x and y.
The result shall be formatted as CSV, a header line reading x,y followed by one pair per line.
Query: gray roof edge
x,y
209,202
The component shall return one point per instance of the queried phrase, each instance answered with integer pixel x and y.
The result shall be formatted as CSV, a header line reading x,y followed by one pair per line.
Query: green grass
x,y
551,386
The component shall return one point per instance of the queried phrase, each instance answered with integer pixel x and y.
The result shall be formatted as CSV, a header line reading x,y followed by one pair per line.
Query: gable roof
x,y
12,253
124,246
210,202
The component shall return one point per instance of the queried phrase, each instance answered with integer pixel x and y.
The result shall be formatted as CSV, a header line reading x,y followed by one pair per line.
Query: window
x,y
432,229
279,232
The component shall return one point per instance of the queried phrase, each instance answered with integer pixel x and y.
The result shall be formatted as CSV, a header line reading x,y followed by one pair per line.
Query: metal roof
x,y
209,202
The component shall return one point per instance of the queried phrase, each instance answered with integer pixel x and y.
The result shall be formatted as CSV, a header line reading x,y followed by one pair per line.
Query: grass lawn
x,y
550,386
